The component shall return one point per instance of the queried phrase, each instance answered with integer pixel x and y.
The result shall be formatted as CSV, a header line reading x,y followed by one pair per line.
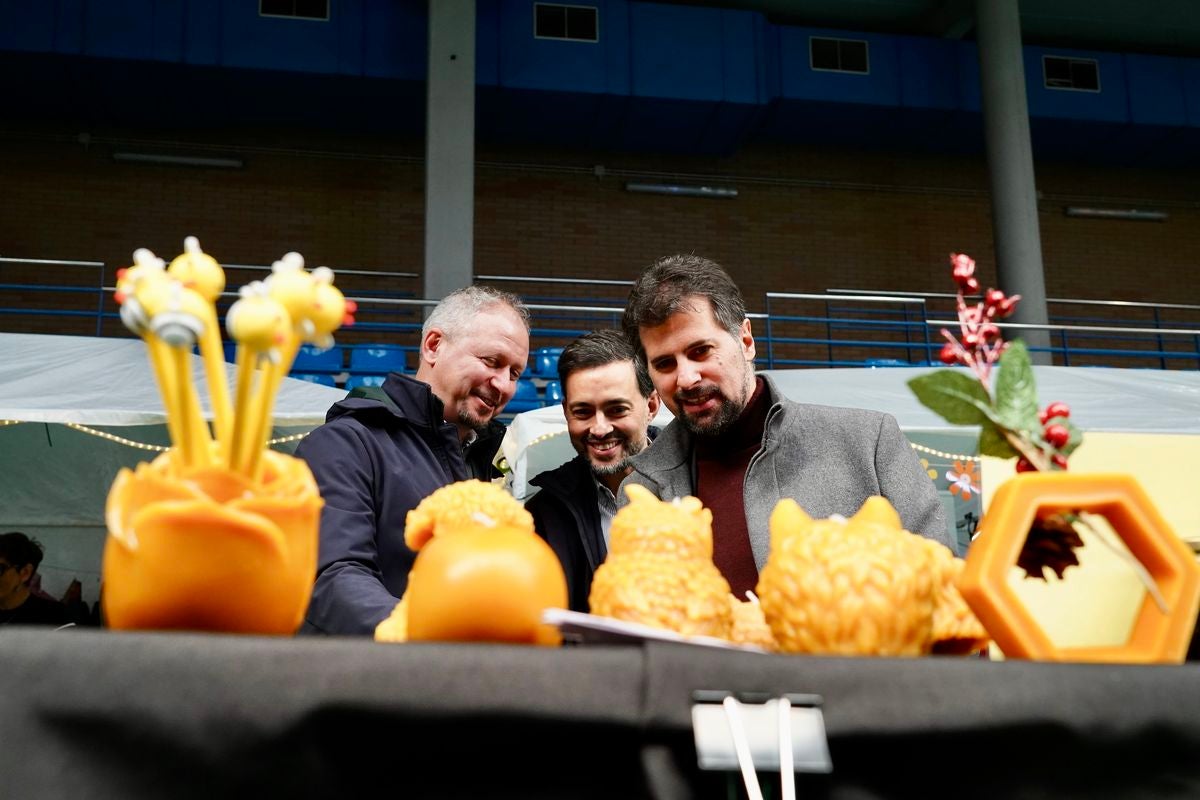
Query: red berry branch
x,y
1012,425
980,343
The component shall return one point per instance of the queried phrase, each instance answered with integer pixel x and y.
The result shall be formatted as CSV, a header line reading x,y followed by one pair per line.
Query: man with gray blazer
x,y
737,443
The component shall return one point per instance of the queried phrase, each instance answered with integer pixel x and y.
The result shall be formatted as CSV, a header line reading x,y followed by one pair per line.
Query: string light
x,y
156,448
920,448
298,436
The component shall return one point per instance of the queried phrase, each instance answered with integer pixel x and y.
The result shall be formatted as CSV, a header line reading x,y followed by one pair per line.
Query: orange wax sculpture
x,y
482,574
1157,635
218,533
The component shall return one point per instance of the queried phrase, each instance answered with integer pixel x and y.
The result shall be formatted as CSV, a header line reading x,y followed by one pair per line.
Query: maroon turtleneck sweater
x,y
721,463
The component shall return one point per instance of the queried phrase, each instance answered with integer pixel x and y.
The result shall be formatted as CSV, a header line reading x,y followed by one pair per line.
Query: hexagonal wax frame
x,y
1156,637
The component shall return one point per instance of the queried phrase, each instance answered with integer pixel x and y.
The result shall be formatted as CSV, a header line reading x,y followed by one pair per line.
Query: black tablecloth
x,y
95,714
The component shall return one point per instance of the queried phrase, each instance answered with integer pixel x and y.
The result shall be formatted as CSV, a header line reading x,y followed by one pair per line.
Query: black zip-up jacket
x,y
565,514
380,452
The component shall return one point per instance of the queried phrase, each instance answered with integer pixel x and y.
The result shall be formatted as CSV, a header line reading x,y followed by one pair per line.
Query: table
x,y
103,714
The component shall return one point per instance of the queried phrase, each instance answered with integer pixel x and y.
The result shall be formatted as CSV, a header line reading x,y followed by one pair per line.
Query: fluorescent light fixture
x,y
1116,213
682,191
179,161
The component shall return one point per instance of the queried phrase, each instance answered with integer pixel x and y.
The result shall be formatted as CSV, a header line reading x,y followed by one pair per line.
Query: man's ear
x,y
652,404
25,573
431,345
746,338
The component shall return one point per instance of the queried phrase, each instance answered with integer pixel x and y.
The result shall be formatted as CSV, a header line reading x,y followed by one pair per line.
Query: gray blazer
x,y
829,460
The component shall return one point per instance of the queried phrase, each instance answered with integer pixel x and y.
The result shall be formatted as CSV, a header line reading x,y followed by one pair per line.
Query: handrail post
x,y
1066,350
100,301
907,335
925,327
769,332
1162,359
828,334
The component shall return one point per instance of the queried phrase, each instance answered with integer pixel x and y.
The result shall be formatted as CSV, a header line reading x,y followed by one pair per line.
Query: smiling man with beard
x,y
384,449
737,443
609,401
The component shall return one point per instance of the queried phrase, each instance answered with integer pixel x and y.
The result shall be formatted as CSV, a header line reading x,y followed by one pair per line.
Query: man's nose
x,y
688,375
601,427
503,382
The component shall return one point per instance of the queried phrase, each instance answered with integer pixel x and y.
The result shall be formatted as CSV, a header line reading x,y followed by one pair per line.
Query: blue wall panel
x,y
69,26
27,26
1156,90
349,19
677,52
120,30
396,40
1191,90
614,38
202,34
928,72
253,41
799,81
487,42
969,96
167,42
1110,104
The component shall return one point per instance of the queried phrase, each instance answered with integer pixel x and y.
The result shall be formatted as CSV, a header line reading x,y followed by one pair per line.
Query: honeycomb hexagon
x,y
1155,637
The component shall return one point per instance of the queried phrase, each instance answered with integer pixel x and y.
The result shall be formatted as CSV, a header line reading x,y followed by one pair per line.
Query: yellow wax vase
x,y
1163,622
219,533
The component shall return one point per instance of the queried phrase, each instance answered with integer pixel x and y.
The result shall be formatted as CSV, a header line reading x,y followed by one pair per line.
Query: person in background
x,y
384,449
609,402
19,560
737,443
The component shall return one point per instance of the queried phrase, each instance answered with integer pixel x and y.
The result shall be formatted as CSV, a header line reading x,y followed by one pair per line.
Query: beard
x,y
472,421
477,422
629,449
721,419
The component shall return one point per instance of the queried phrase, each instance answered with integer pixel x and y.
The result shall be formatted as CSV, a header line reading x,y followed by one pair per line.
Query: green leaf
x,y
955,397
1016,389
993,443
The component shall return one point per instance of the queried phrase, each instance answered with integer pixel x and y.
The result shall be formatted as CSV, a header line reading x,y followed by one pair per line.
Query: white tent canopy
x,y
93,381
54,479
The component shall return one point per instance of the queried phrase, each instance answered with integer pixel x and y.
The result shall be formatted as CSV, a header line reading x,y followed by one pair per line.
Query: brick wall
x,y
804,220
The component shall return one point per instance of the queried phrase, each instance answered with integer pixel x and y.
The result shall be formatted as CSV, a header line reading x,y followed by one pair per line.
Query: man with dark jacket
x,y
380,453
608,401
737,443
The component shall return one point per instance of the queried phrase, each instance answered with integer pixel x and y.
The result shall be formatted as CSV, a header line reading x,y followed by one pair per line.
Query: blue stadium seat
x,y
545,362
312,377
311,358
553,392
525,399
355,381
230,351
886,362
379,358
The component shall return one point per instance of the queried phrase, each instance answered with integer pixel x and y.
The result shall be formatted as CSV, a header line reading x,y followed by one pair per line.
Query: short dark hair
x,y
664,289
18,549
598,348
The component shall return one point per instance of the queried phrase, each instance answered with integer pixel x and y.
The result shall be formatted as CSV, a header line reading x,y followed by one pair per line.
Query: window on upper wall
x,y
1073,74
838,55
294,9
573,23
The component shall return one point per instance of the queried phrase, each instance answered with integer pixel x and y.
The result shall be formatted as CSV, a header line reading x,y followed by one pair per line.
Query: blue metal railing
x,y
847,327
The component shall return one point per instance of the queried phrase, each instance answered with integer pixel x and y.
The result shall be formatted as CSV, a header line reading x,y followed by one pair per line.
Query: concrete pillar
x,y
1010,161
450,148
